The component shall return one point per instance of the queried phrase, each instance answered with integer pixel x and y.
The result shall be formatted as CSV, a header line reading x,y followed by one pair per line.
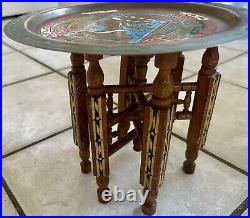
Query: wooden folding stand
x,y
152,117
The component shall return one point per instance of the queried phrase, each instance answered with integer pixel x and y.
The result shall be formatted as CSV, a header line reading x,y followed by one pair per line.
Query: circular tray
x,y
130,28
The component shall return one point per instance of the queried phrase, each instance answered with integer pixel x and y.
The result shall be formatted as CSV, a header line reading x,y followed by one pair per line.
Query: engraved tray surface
x,y
130,28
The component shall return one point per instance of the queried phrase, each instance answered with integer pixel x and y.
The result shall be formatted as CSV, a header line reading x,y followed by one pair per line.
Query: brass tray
x,y
130,28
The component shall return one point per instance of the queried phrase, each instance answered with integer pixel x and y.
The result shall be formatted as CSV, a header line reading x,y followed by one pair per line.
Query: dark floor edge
x,y
240,209
216,157
34,143
12,198
27,79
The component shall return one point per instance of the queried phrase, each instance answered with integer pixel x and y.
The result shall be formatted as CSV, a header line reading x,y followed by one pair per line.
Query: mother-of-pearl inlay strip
x,y
214,85
152,135
96,105
167,143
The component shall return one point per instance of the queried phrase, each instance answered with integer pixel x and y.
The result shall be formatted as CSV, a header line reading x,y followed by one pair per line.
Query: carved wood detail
x,y
158,118
212,94
98,125
208,81
152,114
77,92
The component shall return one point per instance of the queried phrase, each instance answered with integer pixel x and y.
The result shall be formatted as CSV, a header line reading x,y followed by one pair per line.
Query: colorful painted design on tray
x,y
129,27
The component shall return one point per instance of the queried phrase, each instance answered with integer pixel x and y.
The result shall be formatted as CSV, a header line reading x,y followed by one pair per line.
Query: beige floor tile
x,y
15,45
245,213
236,71
65,71
33,110
193,58
17,67
111,69
6,49
47,181
227,136
238,45
54,59
7,207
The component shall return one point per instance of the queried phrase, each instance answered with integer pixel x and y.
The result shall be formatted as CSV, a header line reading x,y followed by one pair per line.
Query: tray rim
x,y
24,35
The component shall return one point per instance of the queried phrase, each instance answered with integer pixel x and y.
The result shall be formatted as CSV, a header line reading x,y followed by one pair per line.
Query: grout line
x,y
240,209
61,74
224,161
27,79
8,51
34,143
65,68
237,56
234,84
225,81
37,61
193,74
178,137
235,49
189,71
12,198
215,157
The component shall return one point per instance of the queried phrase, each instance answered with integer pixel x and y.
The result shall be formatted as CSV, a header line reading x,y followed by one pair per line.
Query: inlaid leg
x,y
157,130
77,93
141,68
98,124
208,83
126,68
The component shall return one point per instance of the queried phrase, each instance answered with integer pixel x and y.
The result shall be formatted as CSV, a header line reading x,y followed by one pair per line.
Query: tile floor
x,y
41,173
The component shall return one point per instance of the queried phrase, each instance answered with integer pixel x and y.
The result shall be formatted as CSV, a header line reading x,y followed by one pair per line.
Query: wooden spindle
x,y
98,124
208,82
78,94
158,120
187,101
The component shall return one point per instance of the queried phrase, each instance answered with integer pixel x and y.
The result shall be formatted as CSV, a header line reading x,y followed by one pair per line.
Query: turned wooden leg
x,y
77,93
126,68
158,121
98,124
208,83
177,74
141,67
